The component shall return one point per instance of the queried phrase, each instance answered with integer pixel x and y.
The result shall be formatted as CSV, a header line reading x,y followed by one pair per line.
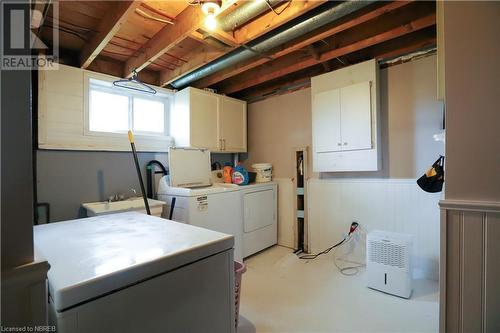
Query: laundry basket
x,y
239,269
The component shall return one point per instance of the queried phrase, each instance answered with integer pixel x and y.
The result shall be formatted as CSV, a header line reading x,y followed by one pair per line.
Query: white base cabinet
x,y
169,302
203,119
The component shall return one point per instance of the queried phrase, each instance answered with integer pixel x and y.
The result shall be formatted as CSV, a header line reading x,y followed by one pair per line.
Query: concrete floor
x,y
284,294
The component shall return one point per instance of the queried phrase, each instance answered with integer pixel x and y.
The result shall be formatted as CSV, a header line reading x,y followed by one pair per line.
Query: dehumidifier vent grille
x,y
387,253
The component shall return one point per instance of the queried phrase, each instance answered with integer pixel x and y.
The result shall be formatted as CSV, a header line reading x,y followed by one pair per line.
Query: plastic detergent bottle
x,y
240,175
227,173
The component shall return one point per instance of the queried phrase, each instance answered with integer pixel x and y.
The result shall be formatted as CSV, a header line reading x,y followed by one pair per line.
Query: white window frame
x,y
162,96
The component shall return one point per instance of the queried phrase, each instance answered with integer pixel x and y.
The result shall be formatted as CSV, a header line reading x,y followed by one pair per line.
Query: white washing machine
x,y
216,207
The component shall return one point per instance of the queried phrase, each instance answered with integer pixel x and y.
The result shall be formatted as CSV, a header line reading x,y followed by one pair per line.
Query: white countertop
x,y
94,256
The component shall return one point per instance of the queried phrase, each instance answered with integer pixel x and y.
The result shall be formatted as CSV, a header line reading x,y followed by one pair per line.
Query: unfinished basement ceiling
x,y
167,42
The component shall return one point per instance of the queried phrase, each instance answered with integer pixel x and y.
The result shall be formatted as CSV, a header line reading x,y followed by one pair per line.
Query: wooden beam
x,y
108,27
297,45
404,47
269,21
197,59
245,34
222,36
418,45
169,36
209,41
188,21
269,73
314,52
113,67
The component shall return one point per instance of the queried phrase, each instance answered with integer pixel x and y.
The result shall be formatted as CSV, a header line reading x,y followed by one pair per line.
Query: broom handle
x,y
134,152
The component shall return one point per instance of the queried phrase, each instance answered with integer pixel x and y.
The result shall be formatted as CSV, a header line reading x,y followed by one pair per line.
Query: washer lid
x,y
165,189
92,257
189,167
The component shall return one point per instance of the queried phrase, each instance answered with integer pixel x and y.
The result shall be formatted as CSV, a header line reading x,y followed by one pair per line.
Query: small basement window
x,y
114,110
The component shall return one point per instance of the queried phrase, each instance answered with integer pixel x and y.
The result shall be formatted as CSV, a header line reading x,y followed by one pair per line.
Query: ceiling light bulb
x,y
210,22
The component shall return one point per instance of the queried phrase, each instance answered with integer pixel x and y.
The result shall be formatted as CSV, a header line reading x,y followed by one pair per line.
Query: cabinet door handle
x,y
220,144
345,143
339,144
224,142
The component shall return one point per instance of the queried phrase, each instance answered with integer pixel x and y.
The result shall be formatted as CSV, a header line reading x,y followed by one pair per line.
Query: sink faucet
x,y
121,197
133,191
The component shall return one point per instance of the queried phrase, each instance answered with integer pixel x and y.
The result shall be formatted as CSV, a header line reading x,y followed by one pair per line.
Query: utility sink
x,y
132,204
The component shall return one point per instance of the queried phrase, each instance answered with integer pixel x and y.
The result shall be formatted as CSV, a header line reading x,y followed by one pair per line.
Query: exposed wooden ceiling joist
x,y
297,45
169,36
222,36
107,29
400,47
111,67
198,59
188,21
413,47
207,40
263,74
247,33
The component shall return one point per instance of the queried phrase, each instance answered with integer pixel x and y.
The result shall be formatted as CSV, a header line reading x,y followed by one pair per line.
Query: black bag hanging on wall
x,y
432,181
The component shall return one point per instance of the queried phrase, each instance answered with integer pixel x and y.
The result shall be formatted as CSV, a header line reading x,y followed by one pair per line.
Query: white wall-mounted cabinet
x,y
345,119
233,124
206,120
342,119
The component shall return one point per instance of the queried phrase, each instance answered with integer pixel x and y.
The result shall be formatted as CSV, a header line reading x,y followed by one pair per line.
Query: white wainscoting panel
x,y
397,205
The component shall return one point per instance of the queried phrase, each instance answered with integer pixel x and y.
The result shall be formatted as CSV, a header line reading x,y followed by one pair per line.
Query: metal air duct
x,y
245,12
274,39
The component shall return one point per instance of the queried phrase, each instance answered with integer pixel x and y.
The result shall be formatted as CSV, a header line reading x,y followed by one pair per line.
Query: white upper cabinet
x,y
345,128
233,124
206,120
342,119
355,120
326,124
203,120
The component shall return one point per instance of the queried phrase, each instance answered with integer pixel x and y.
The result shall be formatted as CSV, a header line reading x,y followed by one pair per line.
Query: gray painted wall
x,y
66,179
17,170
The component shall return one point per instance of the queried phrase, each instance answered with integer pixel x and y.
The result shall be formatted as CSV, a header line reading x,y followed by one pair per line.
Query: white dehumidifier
x,y
388,262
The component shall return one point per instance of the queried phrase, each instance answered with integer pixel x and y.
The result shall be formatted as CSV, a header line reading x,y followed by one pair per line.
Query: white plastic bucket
x,y
264,172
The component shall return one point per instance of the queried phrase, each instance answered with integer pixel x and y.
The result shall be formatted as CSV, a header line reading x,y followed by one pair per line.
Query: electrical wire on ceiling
x,y
341,61
111,42
79,27
157,11
151,17
281,11
68,31
116,53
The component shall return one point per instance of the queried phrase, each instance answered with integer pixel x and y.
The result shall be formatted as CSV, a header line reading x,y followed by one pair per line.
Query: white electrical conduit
x,y
148,16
